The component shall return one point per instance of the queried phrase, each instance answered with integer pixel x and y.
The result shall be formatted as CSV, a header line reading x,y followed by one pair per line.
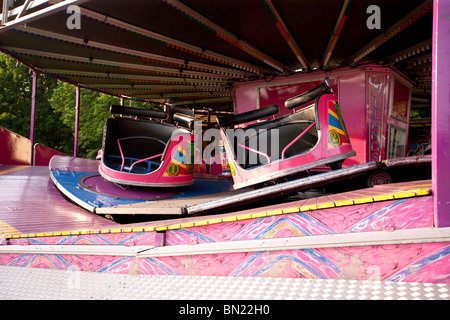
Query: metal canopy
x,y
190,52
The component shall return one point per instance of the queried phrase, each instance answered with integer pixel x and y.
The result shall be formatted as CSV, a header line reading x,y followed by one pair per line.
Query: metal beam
x,y
145,56
116,64
440,114
175,44
5,11
158,88
409,52
370,238
229,37
336,32
287,36
18,10
33,114
134,78
77,121
392,31
55,6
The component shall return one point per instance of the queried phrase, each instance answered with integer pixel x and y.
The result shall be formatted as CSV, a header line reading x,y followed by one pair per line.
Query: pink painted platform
x,y
383,233
30,203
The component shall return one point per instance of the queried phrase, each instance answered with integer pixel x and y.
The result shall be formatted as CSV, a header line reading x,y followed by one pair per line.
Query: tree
x,y
94,110
15,105
55,109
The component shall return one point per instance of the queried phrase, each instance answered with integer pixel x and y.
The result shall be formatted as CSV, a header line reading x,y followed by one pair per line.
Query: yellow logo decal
x,y
173,169
334,137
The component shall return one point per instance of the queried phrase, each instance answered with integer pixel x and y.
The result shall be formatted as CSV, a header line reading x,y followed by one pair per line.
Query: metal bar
x,y
283,188
287,36
392,31
176,44
440,113
370,238
229,37
17,10
121,154
40,13
142,160
5,11
141,54
255,151
116,250
337,31
161,87
33,114
298,137
24,8
116,64
77,121
409,52
134,78
198,101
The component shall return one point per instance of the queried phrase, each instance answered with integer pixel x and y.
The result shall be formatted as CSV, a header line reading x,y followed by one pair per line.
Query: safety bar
x,y
184,118
295,140
256,151
121,154
308,96
136,162
145,159
248,116
138,112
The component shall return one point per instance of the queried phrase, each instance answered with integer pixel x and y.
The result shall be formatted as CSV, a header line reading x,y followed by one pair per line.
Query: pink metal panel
x,y
441,112
409,262
30,203
14,149
246,98
352,101
378,84
43,155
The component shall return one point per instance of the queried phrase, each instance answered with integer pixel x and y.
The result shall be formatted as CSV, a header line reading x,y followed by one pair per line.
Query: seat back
x,y
139,139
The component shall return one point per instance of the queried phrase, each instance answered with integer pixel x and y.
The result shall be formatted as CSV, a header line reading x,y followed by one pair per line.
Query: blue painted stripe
x,y
296,260
115,263
405,273
364,222
161,266
334,122
195,234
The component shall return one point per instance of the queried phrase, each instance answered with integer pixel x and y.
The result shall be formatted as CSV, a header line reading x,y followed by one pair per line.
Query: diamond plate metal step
x,y
21,283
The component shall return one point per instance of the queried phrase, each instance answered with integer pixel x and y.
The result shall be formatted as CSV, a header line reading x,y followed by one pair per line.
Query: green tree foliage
x,y
15,105
94,110
55,110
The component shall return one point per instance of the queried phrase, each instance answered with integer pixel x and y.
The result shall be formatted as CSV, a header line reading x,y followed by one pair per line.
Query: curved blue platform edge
x,y
68,183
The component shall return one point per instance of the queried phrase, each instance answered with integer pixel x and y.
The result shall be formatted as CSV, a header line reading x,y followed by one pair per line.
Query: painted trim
x,y
371,238
214,219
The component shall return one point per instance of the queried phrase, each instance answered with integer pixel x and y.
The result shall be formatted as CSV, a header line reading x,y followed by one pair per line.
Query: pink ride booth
x,y
313,134
374,100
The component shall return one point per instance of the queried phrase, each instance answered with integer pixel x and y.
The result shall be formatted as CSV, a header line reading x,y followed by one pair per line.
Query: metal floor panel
x,y
21,283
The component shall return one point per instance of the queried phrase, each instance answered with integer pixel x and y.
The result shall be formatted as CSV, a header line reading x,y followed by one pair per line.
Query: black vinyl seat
x,y
261,136
127,140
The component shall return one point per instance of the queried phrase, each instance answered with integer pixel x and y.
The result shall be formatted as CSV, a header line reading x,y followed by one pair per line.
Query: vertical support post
x,y
5,9
440,113
160,238
33,114
77,121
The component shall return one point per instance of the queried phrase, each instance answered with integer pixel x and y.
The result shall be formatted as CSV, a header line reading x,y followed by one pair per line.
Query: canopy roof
x,y
190,52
